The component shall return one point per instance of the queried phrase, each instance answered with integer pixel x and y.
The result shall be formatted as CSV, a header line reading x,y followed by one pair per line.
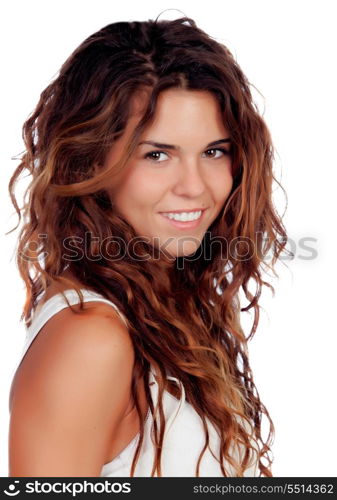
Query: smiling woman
x,y
182,185
144,151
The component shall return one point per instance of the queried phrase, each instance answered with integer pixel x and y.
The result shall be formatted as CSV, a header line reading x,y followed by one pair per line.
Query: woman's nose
x,y
191,179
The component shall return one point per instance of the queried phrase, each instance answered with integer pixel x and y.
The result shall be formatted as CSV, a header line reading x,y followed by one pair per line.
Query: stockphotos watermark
x,y
154,488
114,248
73,488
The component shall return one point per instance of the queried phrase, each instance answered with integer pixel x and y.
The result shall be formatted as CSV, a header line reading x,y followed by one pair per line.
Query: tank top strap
x,y
52,306
58,302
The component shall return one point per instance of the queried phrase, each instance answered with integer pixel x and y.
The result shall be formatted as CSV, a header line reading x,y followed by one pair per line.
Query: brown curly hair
x,y
183,319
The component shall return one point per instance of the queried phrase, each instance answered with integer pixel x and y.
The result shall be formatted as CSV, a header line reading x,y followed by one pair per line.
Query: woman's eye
x,y
223,151
151,155
155,155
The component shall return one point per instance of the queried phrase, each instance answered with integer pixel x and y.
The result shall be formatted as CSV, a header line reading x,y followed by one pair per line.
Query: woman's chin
x,y
175,251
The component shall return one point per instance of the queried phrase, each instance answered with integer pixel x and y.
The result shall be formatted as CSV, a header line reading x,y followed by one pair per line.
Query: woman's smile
x,y
184,220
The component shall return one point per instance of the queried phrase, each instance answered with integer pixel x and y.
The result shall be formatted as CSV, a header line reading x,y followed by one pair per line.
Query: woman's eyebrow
x,y
171,146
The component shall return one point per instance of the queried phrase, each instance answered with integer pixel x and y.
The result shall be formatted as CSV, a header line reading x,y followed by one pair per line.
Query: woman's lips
x,y
191,224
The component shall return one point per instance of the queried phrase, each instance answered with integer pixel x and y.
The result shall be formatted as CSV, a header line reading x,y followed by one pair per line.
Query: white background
x,y
287,50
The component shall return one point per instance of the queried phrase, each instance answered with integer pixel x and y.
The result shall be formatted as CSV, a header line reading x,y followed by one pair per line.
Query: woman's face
x,y
182,170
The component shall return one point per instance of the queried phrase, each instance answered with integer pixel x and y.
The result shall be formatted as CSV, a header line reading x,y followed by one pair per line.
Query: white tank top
x,y
184,433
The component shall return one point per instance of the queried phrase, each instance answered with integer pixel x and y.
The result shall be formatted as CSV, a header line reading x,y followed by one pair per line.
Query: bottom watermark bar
x,y
168,487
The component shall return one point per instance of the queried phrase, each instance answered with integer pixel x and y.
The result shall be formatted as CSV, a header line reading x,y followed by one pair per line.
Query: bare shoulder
x,y
73,387
97,326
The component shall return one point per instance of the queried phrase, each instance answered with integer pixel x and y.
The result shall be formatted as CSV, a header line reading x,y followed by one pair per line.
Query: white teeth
x,y
183,216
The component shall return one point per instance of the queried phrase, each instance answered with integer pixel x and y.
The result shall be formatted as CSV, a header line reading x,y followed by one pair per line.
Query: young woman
x,y
149,209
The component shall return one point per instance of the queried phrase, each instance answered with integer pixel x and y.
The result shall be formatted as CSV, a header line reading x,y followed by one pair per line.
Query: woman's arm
x,y
71,392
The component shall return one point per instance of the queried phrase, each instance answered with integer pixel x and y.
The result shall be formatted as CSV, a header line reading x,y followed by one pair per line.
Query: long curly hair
x,y
183,319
